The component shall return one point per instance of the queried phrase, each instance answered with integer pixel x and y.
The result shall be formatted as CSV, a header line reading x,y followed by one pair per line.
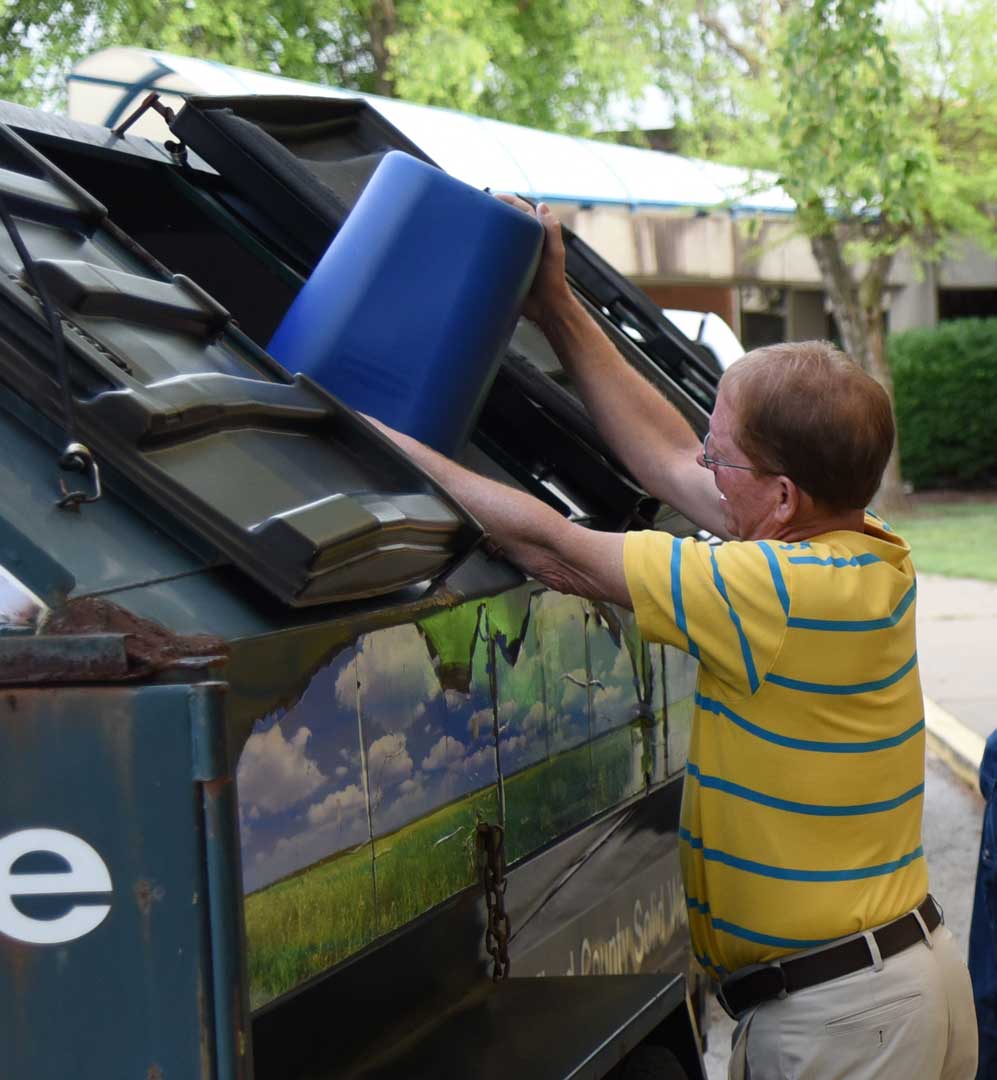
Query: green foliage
x,y
548,64
888,130
40,40
945,393
862,136
716,66
847,152
947,61
553,64
885,139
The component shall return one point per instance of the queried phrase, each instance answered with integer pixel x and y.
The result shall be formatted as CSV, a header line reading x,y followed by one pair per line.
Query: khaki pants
x,y
913,1019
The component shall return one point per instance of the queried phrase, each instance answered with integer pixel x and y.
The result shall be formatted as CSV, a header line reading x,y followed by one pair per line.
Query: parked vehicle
x,y
270,713
707,329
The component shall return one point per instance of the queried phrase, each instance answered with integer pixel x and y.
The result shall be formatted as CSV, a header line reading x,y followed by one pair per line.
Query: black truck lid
x,y
299,162
281,478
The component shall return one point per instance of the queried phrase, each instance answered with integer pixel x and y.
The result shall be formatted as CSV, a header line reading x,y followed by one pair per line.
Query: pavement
x,y
957,656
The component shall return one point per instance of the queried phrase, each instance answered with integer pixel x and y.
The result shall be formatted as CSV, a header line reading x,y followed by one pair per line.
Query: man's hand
x,y
550,295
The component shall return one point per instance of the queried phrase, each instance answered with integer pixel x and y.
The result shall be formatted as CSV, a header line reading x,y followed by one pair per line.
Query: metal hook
x,y
176,147
78,458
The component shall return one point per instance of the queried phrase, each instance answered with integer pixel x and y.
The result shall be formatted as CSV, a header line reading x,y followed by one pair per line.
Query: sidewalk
x,y
957,656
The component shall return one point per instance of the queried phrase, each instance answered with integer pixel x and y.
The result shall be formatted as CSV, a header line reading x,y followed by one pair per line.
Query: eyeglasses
x,y
716,463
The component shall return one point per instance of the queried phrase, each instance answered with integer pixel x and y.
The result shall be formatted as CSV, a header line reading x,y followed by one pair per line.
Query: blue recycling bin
x,y
408,312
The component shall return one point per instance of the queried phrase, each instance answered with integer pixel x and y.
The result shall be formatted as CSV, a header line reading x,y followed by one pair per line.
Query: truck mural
x,y
362,798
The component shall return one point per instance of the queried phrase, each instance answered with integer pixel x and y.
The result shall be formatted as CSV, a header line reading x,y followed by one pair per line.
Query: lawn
x,y
952,536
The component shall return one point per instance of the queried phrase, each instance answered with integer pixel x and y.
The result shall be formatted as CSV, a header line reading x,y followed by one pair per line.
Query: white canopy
x,y
107,85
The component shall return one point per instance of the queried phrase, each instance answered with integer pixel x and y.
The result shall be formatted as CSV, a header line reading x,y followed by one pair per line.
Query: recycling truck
x,y
300,778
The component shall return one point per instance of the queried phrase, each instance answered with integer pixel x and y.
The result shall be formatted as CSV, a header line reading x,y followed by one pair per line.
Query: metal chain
x,y
491,860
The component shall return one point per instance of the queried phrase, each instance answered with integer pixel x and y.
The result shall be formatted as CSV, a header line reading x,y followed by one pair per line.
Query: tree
x,y
871,170
886,142
553,64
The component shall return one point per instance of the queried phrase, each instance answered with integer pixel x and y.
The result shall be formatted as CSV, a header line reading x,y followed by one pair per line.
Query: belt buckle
x,y
770,980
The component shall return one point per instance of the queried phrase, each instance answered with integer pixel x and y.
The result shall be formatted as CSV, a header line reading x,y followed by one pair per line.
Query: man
x,y
800,832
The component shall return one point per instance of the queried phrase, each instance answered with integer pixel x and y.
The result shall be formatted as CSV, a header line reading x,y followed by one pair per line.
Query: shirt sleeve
x,y
726,604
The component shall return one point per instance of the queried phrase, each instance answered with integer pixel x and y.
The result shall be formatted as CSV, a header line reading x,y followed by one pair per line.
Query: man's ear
x,y
789,500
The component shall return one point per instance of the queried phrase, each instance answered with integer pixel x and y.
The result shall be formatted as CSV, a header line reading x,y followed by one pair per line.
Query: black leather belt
x,y
750,986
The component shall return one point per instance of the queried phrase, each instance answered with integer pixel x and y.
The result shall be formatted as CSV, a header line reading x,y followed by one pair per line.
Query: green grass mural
x,y
312,920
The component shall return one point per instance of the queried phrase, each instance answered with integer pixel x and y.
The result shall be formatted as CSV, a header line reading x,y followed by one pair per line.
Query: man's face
x,y
748,498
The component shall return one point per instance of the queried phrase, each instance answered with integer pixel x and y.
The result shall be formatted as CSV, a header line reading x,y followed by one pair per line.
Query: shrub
x,y
945,392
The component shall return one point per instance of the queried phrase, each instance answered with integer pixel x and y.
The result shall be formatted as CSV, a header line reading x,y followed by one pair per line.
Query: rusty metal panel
x,y
104,935
55,659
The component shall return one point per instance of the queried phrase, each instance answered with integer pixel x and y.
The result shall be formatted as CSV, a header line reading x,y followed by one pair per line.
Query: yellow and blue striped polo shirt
x,y
801,813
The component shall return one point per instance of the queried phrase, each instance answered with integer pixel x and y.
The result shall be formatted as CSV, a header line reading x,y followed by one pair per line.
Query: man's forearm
x,y
515,521
624,405
530,534
650,436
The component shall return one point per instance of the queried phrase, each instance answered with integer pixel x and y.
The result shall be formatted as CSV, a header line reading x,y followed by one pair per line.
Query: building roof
x,y
106,86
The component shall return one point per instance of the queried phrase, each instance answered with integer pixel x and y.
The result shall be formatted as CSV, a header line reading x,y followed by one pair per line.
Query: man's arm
x,y
562,555
647,432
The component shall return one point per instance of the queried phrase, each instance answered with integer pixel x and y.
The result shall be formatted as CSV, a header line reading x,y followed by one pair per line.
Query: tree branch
x,y
382,23
716,26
